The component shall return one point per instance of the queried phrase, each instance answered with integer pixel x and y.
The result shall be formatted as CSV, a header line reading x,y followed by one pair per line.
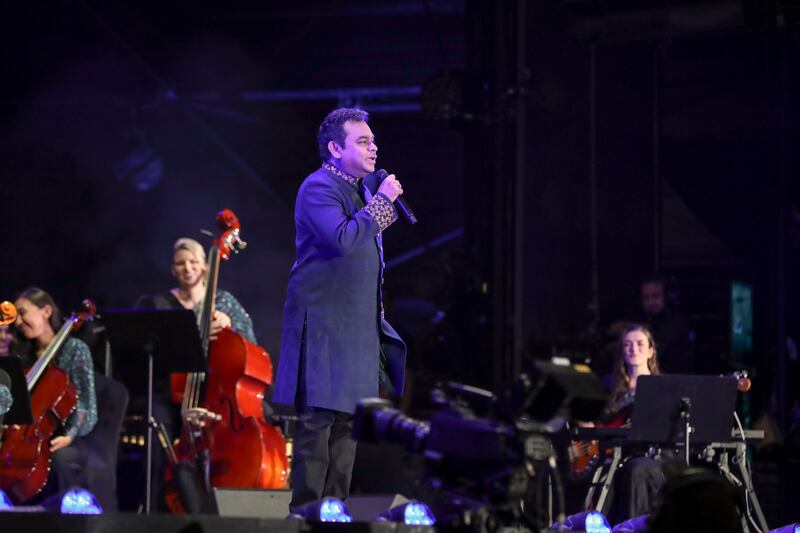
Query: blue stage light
x,y
411,513
80,501
588,521
418,514
324,510
333,510
791,528
596,523
5,502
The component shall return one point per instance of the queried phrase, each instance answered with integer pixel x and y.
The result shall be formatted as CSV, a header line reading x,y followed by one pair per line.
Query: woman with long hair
x,y
636,356
640,478
38,321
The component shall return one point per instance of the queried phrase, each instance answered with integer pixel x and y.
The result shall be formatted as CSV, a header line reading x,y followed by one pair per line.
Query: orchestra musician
x,y
640,477
6,336
5,380
38,320
189,270
5,396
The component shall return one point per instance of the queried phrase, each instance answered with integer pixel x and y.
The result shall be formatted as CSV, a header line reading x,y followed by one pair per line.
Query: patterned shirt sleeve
x,y
75,359
5,400
241,322
382,210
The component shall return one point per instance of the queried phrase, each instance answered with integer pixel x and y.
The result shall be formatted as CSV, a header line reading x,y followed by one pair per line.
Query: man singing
x,y
336,346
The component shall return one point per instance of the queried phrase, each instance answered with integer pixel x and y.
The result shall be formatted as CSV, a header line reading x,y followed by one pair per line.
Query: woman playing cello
x,y
38,320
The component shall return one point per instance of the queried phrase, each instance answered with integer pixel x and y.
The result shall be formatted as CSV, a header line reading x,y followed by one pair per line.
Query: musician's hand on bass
x,y
200,416
219,321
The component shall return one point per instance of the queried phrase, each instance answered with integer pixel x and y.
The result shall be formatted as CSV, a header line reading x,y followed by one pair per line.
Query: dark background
x,y
555,152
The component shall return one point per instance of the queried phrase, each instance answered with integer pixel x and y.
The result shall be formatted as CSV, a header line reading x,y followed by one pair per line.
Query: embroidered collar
x,y
349,178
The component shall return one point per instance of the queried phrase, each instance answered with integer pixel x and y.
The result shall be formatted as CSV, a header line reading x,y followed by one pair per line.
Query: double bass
x,y
242,450
25,452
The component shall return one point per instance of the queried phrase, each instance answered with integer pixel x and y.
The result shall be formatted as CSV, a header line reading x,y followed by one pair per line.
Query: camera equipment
x,y
484,454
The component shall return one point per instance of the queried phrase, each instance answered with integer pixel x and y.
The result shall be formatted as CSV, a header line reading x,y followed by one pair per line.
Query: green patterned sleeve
x,y
76,359
5,400
241,322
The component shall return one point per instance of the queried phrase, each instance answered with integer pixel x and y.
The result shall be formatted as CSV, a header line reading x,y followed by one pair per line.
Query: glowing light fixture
x,y
411,513
80,501
588,521
324,510
5,502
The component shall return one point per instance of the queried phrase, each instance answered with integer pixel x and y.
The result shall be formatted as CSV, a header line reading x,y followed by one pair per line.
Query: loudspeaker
x,y
252,503
365,508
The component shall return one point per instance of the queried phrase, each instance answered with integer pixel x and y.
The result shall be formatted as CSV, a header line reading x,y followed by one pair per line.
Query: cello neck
x,y
39,367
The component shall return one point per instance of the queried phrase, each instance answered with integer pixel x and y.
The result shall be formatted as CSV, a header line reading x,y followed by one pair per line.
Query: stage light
x,y
5,502
411,513
324,510
791,528
637,524
588,521
79,501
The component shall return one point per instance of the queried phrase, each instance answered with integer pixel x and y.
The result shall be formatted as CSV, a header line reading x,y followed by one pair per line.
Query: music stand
x,y
667,405
169,341
20,411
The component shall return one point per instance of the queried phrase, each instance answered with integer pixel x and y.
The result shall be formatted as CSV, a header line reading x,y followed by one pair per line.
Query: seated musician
x,y
640,477
38,320
6,336
5,380
189,269
5,396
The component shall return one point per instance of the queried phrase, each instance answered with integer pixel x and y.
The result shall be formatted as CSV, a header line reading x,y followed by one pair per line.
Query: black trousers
x,y
635,489
323,453
67,468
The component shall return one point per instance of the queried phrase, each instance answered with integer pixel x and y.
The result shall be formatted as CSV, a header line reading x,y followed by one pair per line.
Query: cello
x,y
242,449
25,452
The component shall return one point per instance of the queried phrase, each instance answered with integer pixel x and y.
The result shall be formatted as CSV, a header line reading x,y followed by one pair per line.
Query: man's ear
x,y
334,149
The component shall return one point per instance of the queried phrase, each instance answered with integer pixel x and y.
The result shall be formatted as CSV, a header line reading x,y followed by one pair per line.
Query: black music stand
x,y
671,409
20,411
155,342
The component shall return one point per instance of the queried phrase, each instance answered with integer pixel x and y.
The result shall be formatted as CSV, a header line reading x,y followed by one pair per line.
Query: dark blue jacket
x,y
333,302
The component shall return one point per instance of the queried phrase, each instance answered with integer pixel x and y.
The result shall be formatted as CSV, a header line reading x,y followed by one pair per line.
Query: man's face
x,y
359,153
653,297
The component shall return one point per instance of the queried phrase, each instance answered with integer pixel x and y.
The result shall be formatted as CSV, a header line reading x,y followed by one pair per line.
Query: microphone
x,y
401,204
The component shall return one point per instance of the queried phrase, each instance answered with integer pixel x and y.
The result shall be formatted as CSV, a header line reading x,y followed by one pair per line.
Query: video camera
x,y
483,453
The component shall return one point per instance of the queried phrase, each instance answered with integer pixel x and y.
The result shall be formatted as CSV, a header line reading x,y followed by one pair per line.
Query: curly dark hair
x,y
332,128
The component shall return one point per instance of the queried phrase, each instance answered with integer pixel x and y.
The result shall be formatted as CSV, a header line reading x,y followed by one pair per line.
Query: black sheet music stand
x,y
669,405
20,411
154,343
665,406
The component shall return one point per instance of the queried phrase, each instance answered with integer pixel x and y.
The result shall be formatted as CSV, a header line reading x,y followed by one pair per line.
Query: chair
x,y
103,441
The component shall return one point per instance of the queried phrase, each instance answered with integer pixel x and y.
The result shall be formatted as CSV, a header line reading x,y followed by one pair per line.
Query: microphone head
x,y
373,181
